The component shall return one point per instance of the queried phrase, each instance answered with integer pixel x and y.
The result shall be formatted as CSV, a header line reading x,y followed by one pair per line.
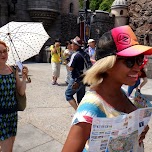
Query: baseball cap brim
x,y
75,42
90,42
136,50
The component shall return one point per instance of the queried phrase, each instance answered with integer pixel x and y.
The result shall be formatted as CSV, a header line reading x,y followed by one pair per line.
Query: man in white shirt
x,y
91,50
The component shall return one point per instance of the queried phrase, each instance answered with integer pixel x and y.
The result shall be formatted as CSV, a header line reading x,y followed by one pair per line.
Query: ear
x,y
110,71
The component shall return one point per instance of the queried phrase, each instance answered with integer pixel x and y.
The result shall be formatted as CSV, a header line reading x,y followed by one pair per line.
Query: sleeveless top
x,y
8,106
92,105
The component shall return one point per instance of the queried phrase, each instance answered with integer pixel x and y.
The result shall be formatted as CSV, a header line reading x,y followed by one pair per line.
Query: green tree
x,y
81,3
94,5
104,5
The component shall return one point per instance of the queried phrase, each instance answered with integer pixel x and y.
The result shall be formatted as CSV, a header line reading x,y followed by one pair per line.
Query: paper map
x,y
118,134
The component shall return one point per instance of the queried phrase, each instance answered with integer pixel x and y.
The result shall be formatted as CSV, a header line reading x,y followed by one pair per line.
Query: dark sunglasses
x,y
130,61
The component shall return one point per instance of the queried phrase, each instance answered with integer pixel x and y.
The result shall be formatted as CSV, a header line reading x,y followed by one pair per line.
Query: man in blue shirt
x,y
76,66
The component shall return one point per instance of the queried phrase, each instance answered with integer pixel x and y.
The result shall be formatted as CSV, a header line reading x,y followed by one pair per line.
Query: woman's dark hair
x,y
58,40
105,46
67,43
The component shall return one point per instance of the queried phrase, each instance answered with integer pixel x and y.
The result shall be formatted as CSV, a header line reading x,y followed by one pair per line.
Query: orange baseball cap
x,y
126,42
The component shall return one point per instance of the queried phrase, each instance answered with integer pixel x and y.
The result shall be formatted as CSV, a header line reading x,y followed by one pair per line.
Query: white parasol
x,y
24,39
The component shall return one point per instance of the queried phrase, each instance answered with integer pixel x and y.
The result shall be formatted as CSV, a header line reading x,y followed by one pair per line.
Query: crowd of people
x,y
116,59
76,60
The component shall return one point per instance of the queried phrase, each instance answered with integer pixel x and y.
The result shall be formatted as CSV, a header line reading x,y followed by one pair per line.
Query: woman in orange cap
x,y
119,57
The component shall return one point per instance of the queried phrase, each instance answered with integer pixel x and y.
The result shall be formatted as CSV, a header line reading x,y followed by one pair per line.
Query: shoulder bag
x,y
21,100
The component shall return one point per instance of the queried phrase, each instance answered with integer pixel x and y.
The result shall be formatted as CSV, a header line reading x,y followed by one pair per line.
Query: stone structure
x,y
140,19
58,17
102,22
94,24
119,9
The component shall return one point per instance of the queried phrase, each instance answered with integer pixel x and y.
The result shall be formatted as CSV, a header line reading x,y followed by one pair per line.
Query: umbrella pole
x,y
28,78
14,47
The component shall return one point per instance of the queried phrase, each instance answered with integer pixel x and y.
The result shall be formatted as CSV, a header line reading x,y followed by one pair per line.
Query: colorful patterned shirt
x,y
93,105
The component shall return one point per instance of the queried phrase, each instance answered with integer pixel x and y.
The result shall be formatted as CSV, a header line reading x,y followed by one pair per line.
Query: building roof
x,y
119,4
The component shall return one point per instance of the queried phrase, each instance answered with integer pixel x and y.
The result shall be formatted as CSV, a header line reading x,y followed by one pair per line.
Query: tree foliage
x,y
104,5
81,3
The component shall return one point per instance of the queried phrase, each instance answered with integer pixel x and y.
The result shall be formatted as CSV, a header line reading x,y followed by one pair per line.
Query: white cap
x,y
91,40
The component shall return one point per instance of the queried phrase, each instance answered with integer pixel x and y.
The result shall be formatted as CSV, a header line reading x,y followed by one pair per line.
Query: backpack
x,y
87,62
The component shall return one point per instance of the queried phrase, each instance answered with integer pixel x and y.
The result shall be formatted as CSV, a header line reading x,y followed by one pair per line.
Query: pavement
x,y
45,123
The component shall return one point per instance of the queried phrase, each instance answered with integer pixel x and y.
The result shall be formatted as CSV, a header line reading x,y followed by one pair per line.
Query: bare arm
x,y
143,134
66,53
92,60
70,68
77,137
54,51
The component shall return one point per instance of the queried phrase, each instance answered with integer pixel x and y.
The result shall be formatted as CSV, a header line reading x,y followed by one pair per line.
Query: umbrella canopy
x,y
24,39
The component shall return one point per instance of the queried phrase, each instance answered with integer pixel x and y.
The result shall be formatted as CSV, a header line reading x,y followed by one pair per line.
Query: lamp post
x,y
84,21
86,7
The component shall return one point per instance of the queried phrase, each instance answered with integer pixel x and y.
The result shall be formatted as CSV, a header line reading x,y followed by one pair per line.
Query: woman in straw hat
x,y
119,57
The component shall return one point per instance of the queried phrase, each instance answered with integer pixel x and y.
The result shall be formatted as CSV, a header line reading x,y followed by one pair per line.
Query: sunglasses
x,y
130,61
